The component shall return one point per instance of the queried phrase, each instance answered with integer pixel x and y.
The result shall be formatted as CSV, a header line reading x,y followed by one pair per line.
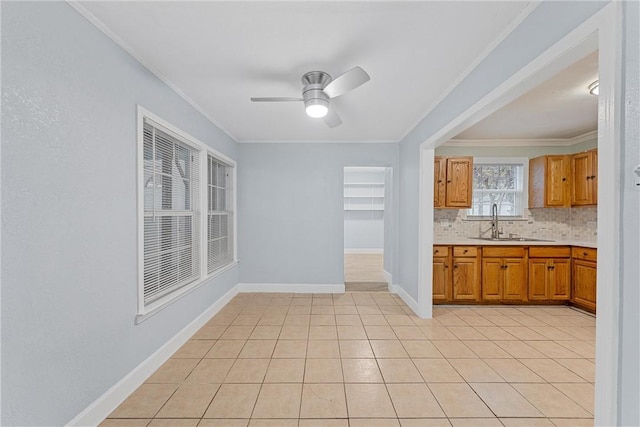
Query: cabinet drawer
x,y
503,251
549,252
440,251
465,251
587,254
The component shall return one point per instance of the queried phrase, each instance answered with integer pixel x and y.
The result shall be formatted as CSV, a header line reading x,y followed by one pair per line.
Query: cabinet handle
x,y
552,267
593,177
564,179
448,181
455,265
437,250
588,178
446,266
465,251
439,181
584,254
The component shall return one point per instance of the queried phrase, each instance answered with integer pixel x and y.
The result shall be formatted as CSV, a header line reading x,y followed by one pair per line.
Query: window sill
x,y
500,218
166,301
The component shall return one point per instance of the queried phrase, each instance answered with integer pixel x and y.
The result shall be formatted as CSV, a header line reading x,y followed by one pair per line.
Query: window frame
x,y
230,204
202,150
524,161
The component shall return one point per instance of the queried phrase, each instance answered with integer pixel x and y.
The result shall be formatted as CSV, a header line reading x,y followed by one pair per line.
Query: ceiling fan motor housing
x,y
314,83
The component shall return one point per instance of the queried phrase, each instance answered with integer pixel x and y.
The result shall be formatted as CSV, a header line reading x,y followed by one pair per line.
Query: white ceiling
x,y
560,108
219,54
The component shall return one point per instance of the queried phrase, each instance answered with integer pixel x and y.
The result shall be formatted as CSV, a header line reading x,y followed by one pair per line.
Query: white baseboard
x,y
387,276
300,288
96,412
364,251
408,299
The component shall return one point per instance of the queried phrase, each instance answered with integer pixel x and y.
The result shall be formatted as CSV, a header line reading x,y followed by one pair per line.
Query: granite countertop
x,y
477,242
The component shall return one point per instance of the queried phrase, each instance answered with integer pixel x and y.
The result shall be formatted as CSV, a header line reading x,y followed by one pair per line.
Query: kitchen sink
x,y
511,239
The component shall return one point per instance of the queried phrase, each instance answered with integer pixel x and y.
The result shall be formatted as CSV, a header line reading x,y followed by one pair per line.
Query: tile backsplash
x,y
575,224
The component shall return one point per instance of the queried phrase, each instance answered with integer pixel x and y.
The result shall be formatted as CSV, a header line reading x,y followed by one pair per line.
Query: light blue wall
x,y
629,392
547,24
69,269
290,209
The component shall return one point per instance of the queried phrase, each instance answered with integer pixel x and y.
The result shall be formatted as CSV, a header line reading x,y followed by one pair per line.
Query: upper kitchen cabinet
x,y
584,180
453,182
439,182
549,182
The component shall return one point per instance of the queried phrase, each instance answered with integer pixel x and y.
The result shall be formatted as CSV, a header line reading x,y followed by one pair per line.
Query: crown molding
x,y
541,142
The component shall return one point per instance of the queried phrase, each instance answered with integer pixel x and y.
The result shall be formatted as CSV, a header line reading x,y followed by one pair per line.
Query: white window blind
x,y
220,214
171,213
498,183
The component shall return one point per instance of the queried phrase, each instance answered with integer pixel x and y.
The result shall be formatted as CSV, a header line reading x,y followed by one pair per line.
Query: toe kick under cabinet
x,y
514,274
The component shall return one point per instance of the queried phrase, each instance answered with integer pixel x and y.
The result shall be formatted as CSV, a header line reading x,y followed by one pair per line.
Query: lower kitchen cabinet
x,y
441,274
515,274
466,274
456,274
549,273
504,274
584,289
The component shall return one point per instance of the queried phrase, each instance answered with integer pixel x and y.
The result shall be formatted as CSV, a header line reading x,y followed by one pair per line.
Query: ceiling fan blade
x,y
332,119
276,99
346,82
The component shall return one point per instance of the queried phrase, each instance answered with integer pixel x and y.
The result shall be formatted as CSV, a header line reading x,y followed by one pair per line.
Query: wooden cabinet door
x,y
459,182
492,277
439,182
515,279
594,176
582,178
559,279
441,279
538,279
466,279
584,283
557,184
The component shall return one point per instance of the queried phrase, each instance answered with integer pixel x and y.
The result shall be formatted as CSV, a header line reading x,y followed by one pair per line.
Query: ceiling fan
x,y
319,88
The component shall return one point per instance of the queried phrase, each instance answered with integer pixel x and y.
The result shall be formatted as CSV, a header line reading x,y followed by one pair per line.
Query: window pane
x,y
498,184
170,176
219,244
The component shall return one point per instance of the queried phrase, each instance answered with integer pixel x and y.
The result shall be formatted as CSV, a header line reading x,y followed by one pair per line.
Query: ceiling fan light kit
x,y
319,88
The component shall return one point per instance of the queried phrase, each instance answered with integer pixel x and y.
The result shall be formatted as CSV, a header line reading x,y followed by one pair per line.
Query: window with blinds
x,y
171,213
500,183
220,214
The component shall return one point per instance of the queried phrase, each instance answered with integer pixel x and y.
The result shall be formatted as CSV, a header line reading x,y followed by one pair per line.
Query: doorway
x,y
602,28
364,218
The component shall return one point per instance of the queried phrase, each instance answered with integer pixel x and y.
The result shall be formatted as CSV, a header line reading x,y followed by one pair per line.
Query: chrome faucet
x,y
495,232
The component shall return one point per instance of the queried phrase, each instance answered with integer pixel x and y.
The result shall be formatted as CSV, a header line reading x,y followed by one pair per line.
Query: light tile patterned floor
x,y
363,272
364,359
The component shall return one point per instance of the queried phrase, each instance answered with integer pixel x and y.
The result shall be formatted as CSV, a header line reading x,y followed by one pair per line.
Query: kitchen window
x,y
500,181
186,207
